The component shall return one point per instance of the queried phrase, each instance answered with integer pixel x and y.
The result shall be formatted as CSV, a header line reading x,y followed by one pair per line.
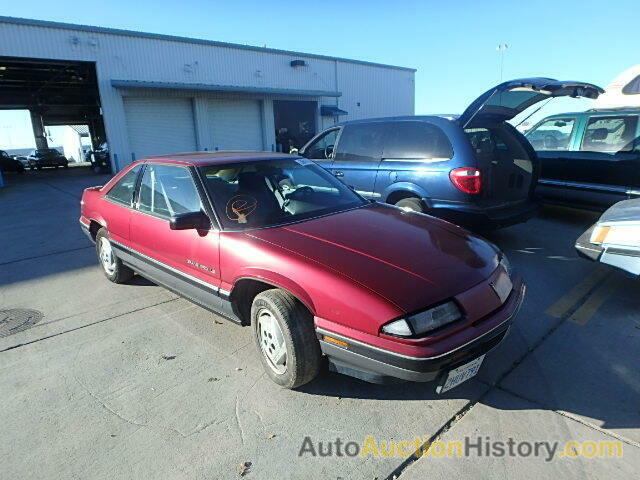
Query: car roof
x,y
219,157
400,119
597,111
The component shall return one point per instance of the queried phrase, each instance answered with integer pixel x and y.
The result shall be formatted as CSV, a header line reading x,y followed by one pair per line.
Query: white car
x,y
615,238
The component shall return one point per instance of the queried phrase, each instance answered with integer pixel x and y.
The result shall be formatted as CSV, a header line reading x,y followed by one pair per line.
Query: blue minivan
x,y
475,169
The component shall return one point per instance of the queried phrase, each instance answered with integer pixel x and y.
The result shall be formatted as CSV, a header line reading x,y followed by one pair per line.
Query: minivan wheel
x,y
411,203
112,266
285,337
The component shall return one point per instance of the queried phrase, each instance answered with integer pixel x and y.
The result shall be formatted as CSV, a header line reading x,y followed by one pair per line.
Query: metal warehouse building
x,y
149,94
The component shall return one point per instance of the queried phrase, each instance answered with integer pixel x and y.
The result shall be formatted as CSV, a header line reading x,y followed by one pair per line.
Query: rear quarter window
x,y
122,190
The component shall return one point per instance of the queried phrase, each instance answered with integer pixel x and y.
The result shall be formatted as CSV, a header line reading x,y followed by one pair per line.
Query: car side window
x,y
361,142
552,134
322,147
122,191
417,140
610,134
167,190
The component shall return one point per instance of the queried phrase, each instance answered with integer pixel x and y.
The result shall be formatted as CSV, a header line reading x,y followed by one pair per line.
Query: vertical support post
x,y
38,130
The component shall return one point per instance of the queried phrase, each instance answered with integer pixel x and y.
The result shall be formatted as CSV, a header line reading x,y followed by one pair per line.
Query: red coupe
x,y
277,242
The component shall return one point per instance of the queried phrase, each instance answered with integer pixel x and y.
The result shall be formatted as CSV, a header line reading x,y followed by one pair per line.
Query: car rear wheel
x,y
112,266
411,203
285,336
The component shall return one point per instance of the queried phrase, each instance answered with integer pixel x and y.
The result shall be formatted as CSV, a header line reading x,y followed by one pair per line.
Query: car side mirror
x,y
189,221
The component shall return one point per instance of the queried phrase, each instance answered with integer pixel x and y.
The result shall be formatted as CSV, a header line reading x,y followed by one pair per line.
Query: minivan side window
x,y
417,141
361,142
322,147
122,191
167,190
552,134
610,134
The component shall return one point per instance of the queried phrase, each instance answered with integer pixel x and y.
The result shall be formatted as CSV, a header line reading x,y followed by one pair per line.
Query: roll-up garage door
x,y
160,126
235,124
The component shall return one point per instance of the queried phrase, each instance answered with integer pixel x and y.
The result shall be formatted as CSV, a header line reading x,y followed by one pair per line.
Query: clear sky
x,y
452,43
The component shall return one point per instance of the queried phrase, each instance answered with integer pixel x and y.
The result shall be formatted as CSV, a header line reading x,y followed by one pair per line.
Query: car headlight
x,y
424,322
599,234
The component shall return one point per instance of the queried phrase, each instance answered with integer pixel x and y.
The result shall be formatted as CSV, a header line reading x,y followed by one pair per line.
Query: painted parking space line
x,y
592,304
560,308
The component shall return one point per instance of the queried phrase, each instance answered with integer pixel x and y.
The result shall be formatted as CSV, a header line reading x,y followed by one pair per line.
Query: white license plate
x,y
461,374
502,286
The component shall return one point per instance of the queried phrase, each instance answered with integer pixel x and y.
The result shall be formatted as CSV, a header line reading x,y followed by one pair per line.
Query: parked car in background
x,y
615,238
474,169
257,238
47,157
99,158
589,158
22,159
9,164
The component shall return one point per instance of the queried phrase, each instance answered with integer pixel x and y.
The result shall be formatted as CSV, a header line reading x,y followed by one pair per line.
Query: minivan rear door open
x,y
508,99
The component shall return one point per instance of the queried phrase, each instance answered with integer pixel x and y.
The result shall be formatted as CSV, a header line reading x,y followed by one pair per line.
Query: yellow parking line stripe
x,y
589,308
569,299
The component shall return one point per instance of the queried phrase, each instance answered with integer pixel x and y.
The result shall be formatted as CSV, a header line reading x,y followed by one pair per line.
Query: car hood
x,y
410,259
505,101
625,211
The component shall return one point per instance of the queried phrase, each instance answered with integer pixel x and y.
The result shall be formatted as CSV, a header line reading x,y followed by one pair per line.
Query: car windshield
x,y
269,193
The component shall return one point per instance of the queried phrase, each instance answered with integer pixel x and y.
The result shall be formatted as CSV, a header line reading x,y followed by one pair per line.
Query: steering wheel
x,y
328,151
305,191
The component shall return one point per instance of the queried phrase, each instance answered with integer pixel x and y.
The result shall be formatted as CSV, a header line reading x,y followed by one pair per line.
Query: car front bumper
x,y
627,259
377,365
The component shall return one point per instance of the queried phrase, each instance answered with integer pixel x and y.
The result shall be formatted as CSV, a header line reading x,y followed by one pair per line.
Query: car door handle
x,y
338,174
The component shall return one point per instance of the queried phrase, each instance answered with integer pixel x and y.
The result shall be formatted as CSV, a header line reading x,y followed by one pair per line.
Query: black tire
x,y
66,165
39,168
304,357
121,273
411,203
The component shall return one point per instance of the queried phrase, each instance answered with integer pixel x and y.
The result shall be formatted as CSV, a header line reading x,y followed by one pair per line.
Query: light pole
x,y
502,48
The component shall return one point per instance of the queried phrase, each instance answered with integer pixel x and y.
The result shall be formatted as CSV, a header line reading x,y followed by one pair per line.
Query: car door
x,y
412,156
118,203
608,156
184,260
357,156
320,149
553,139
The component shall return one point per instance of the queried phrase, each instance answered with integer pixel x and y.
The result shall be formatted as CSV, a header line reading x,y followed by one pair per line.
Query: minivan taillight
x,y
466,179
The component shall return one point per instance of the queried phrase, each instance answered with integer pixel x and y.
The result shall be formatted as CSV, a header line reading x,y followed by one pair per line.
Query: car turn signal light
x,y
599,234
340,343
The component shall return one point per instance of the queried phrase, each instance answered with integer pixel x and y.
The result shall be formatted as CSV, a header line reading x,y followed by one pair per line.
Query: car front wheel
x,y
285,336
112,266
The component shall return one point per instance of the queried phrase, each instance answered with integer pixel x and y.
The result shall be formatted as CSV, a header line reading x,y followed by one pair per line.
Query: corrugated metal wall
x,y
379,90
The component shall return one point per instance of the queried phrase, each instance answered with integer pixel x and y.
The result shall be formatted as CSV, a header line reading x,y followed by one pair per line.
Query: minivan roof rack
x,y
612,109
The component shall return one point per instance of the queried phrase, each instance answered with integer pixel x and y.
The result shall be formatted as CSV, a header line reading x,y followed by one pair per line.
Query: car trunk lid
x,y
505,101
